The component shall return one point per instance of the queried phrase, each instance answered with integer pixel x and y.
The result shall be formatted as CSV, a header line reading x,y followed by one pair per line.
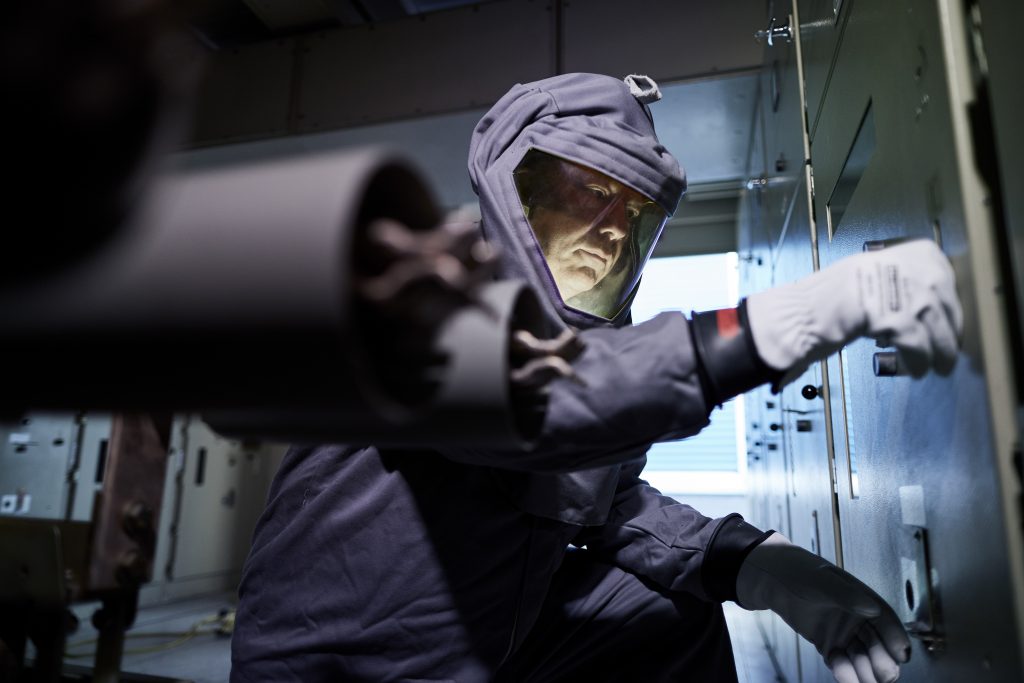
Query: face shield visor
x,y
595,232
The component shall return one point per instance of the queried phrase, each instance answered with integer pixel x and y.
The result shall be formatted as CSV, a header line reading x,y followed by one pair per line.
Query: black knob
x,y
810,392
775,426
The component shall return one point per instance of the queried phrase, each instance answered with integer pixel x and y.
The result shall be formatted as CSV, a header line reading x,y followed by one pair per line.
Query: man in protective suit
x,y
559,562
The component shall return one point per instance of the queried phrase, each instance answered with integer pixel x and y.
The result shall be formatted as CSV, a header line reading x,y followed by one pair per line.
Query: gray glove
x,y
903,296
857,633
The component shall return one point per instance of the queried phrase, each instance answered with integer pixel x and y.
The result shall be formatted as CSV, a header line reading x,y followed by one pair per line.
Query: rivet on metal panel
x,y
132,568
922,105
137,521
72,584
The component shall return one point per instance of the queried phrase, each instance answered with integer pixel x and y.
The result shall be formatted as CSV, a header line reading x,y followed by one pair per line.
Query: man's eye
x,y
597,191
632,213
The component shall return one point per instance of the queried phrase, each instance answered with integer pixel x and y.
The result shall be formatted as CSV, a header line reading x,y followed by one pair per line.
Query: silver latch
x,y
757,183
919,607
776,32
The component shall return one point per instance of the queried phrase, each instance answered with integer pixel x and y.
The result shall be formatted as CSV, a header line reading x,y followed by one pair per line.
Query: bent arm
x,y
640,385
671,544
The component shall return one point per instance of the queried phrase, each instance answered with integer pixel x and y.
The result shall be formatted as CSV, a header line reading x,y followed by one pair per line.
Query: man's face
x,y
584,226
594,232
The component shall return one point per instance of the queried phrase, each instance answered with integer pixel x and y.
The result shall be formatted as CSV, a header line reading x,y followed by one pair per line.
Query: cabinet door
x,y
36,458
999,35
89,463
821,28
800,481
222,486
806,429
755,265
919,500
785,141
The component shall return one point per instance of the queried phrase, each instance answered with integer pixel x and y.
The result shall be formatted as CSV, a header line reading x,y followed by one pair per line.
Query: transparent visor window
x,y
596,233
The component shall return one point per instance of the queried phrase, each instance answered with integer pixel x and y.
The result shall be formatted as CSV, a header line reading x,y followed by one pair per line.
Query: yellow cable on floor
x,y
225,621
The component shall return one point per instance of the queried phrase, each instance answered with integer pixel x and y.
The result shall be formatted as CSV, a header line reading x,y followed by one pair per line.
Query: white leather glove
x,y
857,633
903,296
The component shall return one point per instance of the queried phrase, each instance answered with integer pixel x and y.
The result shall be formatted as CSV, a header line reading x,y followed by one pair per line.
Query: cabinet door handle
x,y
887,364
878,245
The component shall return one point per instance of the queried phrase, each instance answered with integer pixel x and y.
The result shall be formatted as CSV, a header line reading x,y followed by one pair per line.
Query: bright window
x,y
713,461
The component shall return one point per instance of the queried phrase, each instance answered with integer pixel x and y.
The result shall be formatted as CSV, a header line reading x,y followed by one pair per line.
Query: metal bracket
x,y
776,32
920,605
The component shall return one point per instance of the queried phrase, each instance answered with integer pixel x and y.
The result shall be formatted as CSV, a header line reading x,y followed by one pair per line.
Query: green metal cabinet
x,y
909,484
920,504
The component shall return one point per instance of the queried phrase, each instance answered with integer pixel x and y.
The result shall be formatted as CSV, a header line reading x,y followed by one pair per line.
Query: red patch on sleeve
x,y
728,322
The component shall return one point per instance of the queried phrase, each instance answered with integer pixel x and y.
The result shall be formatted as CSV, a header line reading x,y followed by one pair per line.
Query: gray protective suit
x,y
374,564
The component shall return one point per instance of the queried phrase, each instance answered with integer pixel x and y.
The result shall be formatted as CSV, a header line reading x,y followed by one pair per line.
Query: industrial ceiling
x,y
231,23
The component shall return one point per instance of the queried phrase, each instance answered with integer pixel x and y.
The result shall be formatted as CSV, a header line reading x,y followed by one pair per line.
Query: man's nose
x,y
614,227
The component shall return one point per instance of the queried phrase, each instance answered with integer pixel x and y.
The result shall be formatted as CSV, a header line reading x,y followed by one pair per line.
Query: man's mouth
x,y
597,258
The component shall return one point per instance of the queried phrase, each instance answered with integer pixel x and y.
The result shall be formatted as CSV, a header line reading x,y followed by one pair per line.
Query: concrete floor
x,y
203,658
206,657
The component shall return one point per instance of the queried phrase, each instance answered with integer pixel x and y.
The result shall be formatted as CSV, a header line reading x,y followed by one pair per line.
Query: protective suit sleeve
x,y
726,355
639,385
671,544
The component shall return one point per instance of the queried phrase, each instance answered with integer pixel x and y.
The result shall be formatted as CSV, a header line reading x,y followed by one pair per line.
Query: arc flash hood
x,y
588,119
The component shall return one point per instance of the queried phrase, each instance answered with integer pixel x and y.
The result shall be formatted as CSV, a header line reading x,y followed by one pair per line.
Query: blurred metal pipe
x,y
232,287
233,293
471,407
